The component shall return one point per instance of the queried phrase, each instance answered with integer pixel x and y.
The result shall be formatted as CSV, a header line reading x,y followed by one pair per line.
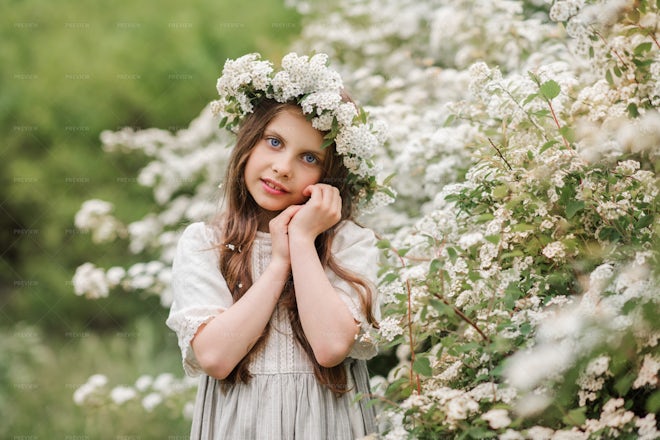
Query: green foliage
x,y
69,72
39,375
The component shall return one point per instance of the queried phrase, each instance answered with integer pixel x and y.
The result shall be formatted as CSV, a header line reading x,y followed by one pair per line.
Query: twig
x,y
499,153
414,379
554,116
463,317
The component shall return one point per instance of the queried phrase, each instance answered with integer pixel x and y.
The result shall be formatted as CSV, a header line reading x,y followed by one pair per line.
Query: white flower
x,y
647,427
627,167
114,275
90,281
164,383
122,394
98,380
648,373
143,382
451,372
323,122
468,240
390,327
497,418
90,212
151,400
555,250
310,83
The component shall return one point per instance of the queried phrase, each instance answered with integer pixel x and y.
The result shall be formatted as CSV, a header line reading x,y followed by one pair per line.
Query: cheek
x,y
313,176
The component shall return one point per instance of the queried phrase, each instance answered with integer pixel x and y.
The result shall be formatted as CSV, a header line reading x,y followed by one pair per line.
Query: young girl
x,y
275,299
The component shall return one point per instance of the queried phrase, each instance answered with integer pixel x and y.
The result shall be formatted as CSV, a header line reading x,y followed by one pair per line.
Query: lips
x,y
273,187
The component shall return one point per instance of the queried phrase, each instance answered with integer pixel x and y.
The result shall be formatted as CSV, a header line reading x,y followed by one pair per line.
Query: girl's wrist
x,y
299,242
280,266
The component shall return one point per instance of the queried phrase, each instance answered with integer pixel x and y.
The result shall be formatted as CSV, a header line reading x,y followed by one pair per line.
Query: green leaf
x,y
573,207
495,239
567,132
608,77
653,403
547,145
633,112
575,417
644,222
327,143
525,328
512,254
483,218
452,254
422,365
383,244
500,191
644,47
530,98
388,179
441,307
434,267
550,89
622,386
522,227
512,293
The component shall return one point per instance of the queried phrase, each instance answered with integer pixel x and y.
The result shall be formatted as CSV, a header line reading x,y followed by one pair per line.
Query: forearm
x,y
325,318
226,339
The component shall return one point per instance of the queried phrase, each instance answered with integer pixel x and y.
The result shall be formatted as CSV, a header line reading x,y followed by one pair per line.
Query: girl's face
x,y
286,160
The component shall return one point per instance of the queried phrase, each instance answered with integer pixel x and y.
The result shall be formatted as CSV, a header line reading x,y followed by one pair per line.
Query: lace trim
x,y
364,346
186,323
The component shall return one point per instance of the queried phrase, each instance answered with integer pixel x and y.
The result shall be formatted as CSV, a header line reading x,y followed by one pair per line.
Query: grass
x,y
40,375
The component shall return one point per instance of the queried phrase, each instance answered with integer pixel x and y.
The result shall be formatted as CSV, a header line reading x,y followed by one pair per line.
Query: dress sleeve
x,y
355,249
198,288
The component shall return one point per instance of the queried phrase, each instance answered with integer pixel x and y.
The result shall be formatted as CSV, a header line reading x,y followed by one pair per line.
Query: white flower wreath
x,y
317,89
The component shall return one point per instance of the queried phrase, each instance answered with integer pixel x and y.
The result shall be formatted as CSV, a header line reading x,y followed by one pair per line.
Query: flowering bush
x,y
520,262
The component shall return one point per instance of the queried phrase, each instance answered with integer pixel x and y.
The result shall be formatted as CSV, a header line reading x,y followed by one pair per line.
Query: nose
x,y
282,166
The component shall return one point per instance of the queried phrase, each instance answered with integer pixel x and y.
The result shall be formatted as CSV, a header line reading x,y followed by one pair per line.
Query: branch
x,y
463,317
499,153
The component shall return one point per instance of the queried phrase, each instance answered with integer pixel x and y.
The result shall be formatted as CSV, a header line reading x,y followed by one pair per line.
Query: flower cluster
x,y
317,89
148,391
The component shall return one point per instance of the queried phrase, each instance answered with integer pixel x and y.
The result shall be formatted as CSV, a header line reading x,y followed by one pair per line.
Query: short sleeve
x,y
198,288
354,248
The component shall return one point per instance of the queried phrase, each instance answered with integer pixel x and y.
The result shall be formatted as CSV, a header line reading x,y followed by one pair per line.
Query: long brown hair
x,y
238,226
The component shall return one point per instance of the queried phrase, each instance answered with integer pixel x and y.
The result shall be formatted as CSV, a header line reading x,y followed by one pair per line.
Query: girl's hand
x,y
279,229
319,213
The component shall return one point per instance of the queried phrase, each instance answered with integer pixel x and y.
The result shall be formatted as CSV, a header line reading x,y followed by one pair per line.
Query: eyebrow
x,y
270,132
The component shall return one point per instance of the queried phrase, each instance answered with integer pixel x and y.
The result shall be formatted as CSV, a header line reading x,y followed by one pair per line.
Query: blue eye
x,y
309,158
273,142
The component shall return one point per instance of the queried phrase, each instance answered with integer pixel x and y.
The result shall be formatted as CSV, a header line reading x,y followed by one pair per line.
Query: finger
x,y
314,192
280,223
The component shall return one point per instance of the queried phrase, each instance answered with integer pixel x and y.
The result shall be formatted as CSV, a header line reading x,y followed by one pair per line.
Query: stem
x,y
414,379
599,35
463,317
651,34
499,153
554,116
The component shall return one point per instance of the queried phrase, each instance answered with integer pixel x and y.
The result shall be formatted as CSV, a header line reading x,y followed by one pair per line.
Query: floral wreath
x,y
317,89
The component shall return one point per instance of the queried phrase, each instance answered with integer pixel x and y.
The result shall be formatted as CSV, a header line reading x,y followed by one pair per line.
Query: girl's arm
x,y
325,318
220,344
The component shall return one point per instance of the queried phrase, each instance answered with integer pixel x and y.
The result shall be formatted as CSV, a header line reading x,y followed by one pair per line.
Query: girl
x,y
274,300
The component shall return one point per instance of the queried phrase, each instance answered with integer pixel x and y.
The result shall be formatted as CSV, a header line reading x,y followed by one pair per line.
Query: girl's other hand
x,y
318,214
279,229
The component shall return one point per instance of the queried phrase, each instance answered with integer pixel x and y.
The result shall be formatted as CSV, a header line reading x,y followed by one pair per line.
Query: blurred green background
x,y
68,71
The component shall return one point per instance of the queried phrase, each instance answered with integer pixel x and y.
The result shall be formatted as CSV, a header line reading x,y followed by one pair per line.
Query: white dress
x,y
283,400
